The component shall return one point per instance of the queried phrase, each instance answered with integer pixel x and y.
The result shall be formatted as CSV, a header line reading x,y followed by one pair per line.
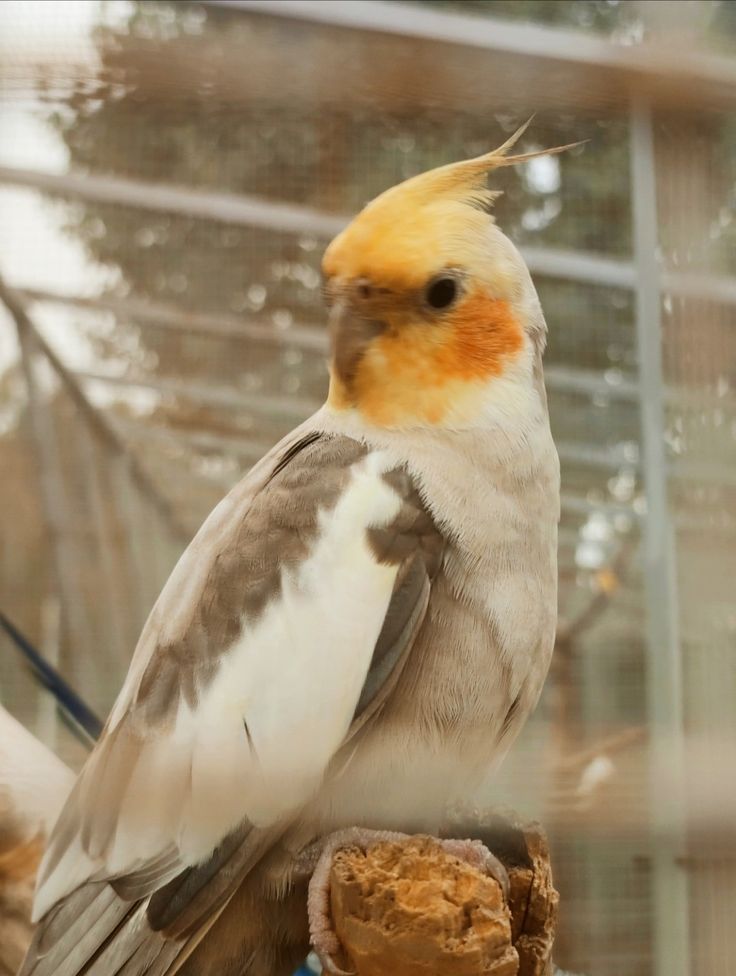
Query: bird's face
x,y
431,306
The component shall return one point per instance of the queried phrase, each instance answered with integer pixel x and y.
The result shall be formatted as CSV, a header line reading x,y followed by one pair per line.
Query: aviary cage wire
x,y
169,174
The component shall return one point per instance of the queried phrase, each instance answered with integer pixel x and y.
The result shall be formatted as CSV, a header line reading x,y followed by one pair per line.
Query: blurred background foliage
x,y
199,342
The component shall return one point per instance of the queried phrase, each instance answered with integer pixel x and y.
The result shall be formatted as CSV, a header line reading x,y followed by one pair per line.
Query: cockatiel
x,y
358,630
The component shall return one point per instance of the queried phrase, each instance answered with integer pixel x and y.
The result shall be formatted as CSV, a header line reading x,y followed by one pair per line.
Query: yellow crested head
x,y
425,297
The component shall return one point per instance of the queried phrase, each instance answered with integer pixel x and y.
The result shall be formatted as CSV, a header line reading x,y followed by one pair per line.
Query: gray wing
x,y
132,889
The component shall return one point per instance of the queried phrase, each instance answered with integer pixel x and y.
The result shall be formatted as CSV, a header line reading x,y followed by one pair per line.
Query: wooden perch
x,y
412,909
401,909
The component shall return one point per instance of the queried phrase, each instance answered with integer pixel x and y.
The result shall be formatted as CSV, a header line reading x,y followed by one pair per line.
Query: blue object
x,y
310,967
82,718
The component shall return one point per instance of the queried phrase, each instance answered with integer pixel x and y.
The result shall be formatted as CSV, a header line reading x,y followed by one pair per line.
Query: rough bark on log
x,y
411,909
401,910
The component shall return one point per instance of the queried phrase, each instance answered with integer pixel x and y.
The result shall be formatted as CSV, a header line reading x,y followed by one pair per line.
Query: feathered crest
x,y
466,180
429,220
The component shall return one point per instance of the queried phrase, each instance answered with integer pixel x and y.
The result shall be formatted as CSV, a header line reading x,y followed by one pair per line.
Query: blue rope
x,y
82,717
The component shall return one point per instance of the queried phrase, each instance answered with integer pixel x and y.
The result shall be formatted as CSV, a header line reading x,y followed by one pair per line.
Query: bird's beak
x,y
351,332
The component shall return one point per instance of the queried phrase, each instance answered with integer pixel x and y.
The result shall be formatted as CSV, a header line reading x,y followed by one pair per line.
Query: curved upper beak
x,y
351,332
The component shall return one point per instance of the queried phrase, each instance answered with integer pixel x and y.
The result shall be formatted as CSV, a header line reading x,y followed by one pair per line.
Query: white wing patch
x,y
296,673
267,725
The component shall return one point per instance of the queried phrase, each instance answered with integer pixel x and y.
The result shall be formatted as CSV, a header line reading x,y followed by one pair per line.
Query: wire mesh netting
x,y
169,177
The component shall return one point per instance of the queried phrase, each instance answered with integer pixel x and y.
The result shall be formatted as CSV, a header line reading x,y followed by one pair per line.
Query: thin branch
x,y
162,316
570,632
98,423
609,746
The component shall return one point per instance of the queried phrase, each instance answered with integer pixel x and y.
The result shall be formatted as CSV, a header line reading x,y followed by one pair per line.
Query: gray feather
x,y
69,938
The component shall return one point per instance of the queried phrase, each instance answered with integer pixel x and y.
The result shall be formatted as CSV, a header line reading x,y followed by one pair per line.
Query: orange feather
x,y
422,371
425,367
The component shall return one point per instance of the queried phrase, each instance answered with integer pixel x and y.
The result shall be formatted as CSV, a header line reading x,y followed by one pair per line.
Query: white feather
x,y
296,674
33,782
293,676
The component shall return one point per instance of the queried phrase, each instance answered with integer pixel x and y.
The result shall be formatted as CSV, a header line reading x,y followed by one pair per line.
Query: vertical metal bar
x,y
148,533
54,493
664,660
134,548
109,625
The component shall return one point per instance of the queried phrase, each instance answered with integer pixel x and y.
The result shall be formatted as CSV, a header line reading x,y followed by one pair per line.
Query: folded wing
x,y
283,627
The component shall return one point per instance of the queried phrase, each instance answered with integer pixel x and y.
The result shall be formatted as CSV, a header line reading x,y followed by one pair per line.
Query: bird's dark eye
x,y
441,292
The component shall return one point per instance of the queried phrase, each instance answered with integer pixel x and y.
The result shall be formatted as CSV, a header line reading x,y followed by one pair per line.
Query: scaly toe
x,y
478,856
322,935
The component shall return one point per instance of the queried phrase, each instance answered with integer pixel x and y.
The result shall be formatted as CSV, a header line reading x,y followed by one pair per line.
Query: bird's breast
x,y
473,675
480,658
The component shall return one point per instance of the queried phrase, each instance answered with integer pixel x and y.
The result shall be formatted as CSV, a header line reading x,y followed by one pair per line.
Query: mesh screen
x,y
191,336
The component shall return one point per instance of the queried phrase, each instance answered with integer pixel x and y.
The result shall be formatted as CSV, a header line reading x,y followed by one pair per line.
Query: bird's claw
x,y
475,853
322,935
318,858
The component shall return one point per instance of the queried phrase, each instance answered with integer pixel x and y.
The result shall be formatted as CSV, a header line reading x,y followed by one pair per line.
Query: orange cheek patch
x,y
420,371
485,336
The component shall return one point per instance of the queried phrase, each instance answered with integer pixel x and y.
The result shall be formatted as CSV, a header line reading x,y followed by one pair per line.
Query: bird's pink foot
x,y
320,854
477,855
318,859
